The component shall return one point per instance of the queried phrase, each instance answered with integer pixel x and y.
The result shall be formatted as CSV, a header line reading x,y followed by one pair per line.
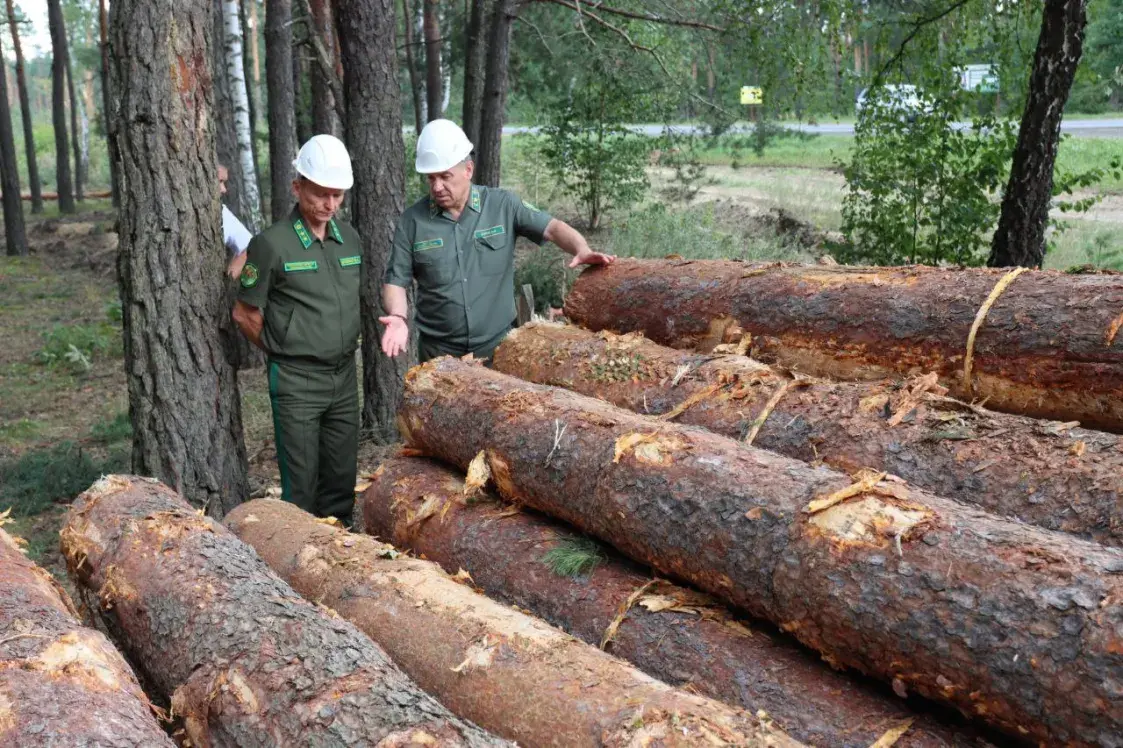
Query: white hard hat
x,y
441,146
324,160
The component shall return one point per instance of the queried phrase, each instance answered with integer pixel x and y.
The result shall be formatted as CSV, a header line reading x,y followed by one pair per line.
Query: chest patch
x,y
347,262
493,231
301,267
428,244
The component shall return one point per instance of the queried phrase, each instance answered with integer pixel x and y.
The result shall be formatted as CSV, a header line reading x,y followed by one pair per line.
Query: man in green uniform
x,y
458,244
299,301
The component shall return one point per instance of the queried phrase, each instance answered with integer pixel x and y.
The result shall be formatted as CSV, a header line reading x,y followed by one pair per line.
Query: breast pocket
x,y
435,266
495,250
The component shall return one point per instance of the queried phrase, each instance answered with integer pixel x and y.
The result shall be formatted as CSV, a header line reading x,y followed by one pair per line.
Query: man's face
x,y
317,203
223,178
450,188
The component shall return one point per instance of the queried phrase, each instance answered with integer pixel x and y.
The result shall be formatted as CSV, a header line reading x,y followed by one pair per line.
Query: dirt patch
x,y
88,242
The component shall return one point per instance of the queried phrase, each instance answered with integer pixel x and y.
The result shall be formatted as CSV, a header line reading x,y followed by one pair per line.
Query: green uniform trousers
x,y
316,424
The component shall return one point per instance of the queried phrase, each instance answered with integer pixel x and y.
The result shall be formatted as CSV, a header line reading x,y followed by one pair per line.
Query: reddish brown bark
x,y
707,651
244,660
505,671
1049,347
1016,625
1068,479
62,684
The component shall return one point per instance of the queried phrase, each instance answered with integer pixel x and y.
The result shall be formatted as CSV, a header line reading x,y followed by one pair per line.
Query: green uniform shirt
x,y
307,290
464,269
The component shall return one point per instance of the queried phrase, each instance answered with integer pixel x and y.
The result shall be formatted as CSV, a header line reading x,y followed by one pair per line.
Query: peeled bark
x,y
244,660
25,111
684,637
1033,354
62,684
503,670
1012,624
1068,479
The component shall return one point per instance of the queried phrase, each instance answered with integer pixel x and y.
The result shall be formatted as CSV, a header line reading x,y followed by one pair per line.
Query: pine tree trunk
x,y
60,682
302,92
1020,236
501,669
374,136
1009,623
282,105
244,660
15,234
106,110
411,66
243,132
75,130
475,66
183,393
433,81
493,109
324,118
34,184
58,107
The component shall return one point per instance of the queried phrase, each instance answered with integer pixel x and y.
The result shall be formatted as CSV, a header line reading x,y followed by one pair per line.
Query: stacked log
x,y
674,634
1018,626
507,672
1042,343
1053,475
61,684
243,659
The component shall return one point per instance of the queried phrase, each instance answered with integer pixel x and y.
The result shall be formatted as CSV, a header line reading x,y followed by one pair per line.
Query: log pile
x,y
489,663
62,684
1017,626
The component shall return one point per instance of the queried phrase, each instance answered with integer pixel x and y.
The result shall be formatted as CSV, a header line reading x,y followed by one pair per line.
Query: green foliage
x,y
74,347
117,429
680,153
32,482
574,557
547,272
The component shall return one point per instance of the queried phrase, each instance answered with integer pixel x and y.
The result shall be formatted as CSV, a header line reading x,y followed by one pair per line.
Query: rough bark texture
x,y
62,684
374,136
674,634
505,671
183,394
475,66
282,105
58,106
433,84
1068,479
244,659
25,111
15,235
1018,626
1020,236
324,118
1034,354
493,110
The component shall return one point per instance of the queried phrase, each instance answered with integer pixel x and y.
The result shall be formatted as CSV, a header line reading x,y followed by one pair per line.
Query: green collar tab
x,y
475,200
333,227
302,234
301,267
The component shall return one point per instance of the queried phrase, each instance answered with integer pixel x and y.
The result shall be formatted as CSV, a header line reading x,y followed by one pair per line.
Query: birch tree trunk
x,y
236,77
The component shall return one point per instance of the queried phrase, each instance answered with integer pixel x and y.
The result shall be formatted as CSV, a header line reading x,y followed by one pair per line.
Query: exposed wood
x,y
244,660
62,684
507,672
524,304
1033,355
674,634
1012,624
1068,479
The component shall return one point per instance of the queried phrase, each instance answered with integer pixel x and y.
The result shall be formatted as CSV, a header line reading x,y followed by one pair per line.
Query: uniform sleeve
x,y
399,271
530,221
258,273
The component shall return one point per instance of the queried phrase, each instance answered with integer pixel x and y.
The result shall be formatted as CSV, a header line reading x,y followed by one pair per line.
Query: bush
x,y
74,347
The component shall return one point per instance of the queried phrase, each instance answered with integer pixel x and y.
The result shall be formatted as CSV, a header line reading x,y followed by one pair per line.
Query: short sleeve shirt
x,y
307,290
464,268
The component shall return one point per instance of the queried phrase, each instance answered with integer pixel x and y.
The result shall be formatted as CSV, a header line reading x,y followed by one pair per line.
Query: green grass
x,y
810,151
113,430
1087,242
574,557
75,346
33,481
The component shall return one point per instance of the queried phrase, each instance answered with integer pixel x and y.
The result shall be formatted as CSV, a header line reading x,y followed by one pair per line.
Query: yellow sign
x,y
752,95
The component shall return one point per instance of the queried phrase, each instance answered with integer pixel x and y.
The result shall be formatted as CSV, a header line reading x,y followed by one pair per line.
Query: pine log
x,y
1048,474
1019,626
244,660
504,670
674,634
62,684
1049,346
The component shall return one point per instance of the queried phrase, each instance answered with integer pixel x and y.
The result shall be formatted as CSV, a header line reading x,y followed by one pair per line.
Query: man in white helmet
x,y
299,301
458,244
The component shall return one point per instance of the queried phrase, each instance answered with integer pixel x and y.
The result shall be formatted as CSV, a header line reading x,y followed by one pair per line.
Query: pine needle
x,y
574,557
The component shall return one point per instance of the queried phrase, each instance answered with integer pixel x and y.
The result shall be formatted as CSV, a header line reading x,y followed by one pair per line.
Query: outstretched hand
x,y
591,258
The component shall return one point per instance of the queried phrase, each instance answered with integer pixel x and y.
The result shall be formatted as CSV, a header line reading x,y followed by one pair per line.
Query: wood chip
x,y
691,401
892,735
610,632
864,481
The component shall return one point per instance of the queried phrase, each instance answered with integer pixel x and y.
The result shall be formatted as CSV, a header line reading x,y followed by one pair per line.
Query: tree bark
x,y
374,136
324,118
493,109
183,393
58,106
34,184
1032,355
672,633
60,682
475,66
15,234
411,65
1009,623
505,671
1067,479
106,97
250,199
252,74
75,131
282,104
1020,236
226,137
302,92
434,85
243,659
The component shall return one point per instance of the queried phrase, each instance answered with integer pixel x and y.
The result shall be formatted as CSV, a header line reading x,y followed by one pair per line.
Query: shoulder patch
x,y
249,275
531,206
301,267
428,244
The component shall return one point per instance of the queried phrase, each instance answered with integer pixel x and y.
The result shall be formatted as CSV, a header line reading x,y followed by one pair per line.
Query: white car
x,y
903,98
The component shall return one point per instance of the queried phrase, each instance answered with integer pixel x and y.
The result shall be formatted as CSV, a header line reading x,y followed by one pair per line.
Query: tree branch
x,y
649,17
917,26
323,59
